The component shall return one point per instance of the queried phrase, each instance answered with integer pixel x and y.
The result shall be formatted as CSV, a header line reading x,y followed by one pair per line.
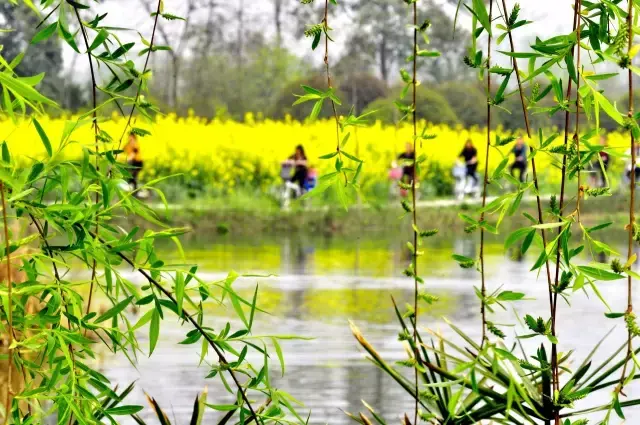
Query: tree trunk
x,y
384,66
239,54
277,4
175,59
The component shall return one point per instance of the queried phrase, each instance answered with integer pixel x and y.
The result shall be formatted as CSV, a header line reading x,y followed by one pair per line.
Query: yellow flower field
x,y
226,154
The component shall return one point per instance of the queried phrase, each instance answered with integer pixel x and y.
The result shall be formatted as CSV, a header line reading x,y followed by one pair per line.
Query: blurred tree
x,y
381,32
265,74
278,12
452,47
432,106
381,28
41,57
622,104
360,89
467,100
169,92
284,103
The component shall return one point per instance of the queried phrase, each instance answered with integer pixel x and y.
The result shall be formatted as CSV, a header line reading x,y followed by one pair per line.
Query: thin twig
x,y
483,288
328,72
96,130
576,135
632,201
554,347
414,84
144,71
9,304
531,150
221,358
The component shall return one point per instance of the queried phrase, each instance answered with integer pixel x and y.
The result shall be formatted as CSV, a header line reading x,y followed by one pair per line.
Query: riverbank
x,y
246,220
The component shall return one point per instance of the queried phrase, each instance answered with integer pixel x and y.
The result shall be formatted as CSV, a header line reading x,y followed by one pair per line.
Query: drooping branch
x,y
144,71
94,95
534,170
328,73
7,245
554,347
632,199
186,315
414,86
483,288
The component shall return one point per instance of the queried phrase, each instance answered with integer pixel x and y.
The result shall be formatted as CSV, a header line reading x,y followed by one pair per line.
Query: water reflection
x,y
325,282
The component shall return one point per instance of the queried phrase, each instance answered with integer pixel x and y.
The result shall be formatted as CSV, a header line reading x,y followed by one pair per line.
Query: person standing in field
x,y
134,159
408,162
520,162
633,168
470,155
301,171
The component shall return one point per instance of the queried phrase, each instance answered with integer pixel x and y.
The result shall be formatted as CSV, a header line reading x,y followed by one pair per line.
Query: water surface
x,y
323,283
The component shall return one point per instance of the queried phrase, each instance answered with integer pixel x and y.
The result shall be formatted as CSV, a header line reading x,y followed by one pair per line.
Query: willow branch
x,y
632,200
534,171
221,358
7,245
554,347
94,86
414,86
328,72
483,288
576,135
144,71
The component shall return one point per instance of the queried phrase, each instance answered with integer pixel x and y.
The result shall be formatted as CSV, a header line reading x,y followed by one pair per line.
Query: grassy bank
x,y
246,218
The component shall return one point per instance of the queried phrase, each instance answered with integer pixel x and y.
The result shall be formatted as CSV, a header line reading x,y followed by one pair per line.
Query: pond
x,y
320,284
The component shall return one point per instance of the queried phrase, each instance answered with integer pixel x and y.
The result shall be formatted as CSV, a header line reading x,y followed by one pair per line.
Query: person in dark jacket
x,y
470,155
520,162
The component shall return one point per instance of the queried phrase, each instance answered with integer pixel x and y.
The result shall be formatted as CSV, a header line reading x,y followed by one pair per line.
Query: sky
x,y
549,16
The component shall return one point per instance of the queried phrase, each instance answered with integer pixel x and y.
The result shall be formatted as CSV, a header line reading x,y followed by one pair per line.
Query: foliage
x,y
432,106
468,102
467,382
283,106
265,79
66,198
20,23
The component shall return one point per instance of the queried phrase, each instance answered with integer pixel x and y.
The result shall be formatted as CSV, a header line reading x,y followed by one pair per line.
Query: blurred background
x,y
226,85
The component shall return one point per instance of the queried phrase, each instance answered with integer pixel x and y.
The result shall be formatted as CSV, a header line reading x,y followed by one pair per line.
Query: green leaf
x,y
20,88
608,107
315,112
428,53
100,38
44,33
276,345
579,282
461,258
527,241
154,330
571,68
599,274
68,37
506,354
115,310
180,285
510,296
516,236
223,407
480,11
43,137
6,156
549,225
123,410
